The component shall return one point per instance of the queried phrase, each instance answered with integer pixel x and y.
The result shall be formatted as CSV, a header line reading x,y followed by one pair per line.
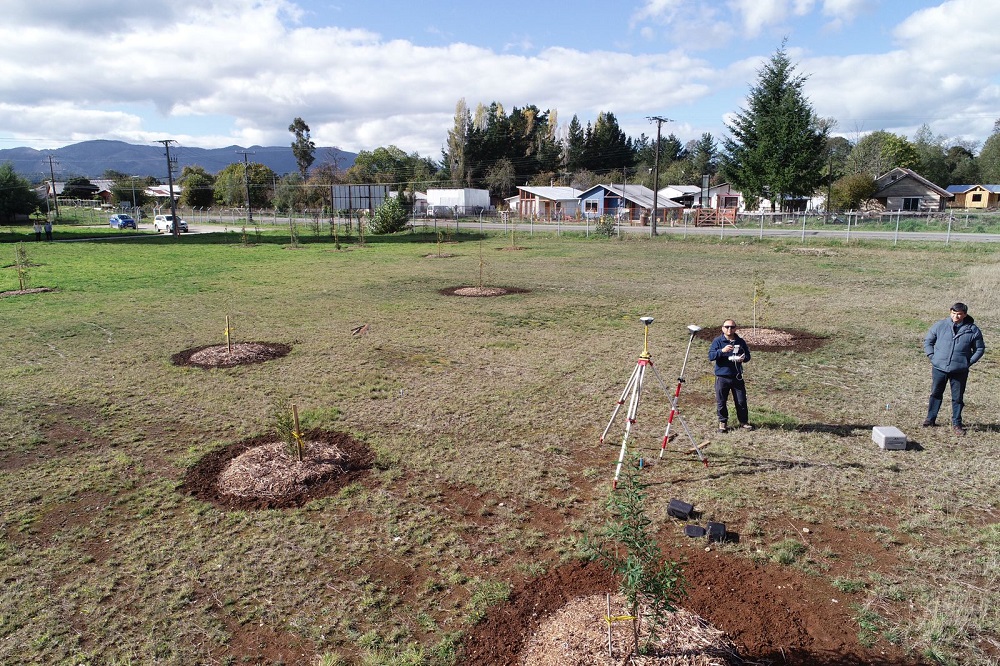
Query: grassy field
x,y
500,400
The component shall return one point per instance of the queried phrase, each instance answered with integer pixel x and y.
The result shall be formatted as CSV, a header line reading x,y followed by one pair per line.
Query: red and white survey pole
x,y
693,328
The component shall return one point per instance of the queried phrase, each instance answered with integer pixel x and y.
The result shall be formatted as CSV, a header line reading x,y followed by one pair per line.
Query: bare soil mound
x,y
772,614
260,473
23,292
220,356
482,292
771,339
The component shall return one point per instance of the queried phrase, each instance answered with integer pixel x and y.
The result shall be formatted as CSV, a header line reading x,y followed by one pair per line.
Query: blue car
x,y
123,221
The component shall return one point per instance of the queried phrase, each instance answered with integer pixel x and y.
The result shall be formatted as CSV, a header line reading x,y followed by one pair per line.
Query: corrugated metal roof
x,y
554,193
885,180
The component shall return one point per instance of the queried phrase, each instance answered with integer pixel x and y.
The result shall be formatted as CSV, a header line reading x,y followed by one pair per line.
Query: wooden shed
x,y
905,189
974,196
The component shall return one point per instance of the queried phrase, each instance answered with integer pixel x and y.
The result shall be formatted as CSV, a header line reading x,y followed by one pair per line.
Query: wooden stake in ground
x,y
481,263
229,339
297,433
610,652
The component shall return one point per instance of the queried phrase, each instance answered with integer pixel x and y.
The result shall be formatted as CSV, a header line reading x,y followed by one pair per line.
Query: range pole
x,y
656,166
170,180
246,184
55,195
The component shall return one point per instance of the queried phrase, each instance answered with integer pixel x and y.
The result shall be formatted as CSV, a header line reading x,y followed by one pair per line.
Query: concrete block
x,y
889,438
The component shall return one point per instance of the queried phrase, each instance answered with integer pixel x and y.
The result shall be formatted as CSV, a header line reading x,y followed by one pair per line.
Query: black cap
x,y
960,307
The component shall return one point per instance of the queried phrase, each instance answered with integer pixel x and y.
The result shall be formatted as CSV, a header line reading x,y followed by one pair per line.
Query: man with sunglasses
x,y
952,345
730,352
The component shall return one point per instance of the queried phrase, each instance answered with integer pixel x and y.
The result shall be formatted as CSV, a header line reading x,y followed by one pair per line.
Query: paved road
x,y
838,232
835,232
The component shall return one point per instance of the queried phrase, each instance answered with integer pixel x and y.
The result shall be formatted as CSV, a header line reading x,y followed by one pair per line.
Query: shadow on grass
x,y
746,466
838,429
831,658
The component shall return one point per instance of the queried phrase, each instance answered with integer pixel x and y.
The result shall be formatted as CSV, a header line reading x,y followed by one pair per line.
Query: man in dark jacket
x,y
730,352
952,345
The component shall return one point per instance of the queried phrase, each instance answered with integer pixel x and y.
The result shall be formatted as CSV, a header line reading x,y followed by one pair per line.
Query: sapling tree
x,y
651,584
286,424
760,299
21,263
482,264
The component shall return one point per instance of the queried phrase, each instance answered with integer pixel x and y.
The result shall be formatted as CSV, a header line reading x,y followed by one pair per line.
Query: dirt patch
x,y
772,614
482,292
22,292
511,248
441,255
265,480
771,339
221,356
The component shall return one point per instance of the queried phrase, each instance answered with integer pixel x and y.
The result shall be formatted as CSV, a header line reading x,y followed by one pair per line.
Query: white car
x,y
165,223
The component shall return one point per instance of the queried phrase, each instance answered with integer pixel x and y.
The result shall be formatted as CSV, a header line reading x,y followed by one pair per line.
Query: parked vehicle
x,y
165,223
440,211
122,221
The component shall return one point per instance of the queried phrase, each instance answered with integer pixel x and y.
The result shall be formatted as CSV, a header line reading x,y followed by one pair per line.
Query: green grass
x,y
496,402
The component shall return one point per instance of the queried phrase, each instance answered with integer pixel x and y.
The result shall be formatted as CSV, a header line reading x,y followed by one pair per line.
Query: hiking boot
x,y
722,427
928,423
746,426
959,430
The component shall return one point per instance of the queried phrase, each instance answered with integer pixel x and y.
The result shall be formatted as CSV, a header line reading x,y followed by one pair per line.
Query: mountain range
x,y
91,159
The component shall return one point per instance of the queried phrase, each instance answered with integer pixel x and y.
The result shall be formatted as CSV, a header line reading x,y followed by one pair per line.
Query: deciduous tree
x,y
231,189
198,187
881,151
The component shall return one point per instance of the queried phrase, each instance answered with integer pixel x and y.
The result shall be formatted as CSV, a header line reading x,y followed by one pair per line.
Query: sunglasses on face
x,y
728,327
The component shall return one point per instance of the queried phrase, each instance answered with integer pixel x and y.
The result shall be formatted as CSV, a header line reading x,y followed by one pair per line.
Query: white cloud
x,y
246,68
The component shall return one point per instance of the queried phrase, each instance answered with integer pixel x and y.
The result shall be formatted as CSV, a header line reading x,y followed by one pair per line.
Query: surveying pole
x,y
633,389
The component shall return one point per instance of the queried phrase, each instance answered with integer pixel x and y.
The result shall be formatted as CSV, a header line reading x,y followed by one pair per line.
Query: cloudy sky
x,y
215,73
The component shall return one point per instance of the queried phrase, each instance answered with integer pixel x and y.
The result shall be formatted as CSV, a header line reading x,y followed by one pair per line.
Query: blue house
x,y
627,203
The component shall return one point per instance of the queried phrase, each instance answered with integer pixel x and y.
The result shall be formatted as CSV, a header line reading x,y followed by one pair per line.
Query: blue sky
x,y
213,73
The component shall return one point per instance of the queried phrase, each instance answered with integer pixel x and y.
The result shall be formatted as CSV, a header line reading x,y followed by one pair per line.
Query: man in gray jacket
x,y
952,345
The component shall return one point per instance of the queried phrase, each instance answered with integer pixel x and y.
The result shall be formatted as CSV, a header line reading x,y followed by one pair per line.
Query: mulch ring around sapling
x,y
482,292
771,339
24,292
264,472
220,356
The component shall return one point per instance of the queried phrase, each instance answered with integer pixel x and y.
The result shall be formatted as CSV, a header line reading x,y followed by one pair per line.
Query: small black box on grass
x,y
679,509
694,531
716,532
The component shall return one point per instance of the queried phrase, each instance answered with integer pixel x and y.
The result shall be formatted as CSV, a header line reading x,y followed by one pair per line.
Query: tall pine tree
x,y
778,145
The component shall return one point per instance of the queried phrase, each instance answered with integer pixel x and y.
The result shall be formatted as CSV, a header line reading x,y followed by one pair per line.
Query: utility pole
x,y
170,179
829,189
55,196
246,183
656,166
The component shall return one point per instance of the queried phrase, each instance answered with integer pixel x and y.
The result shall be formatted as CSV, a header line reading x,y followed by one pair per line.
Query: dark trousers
x,y
957,379
725,385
